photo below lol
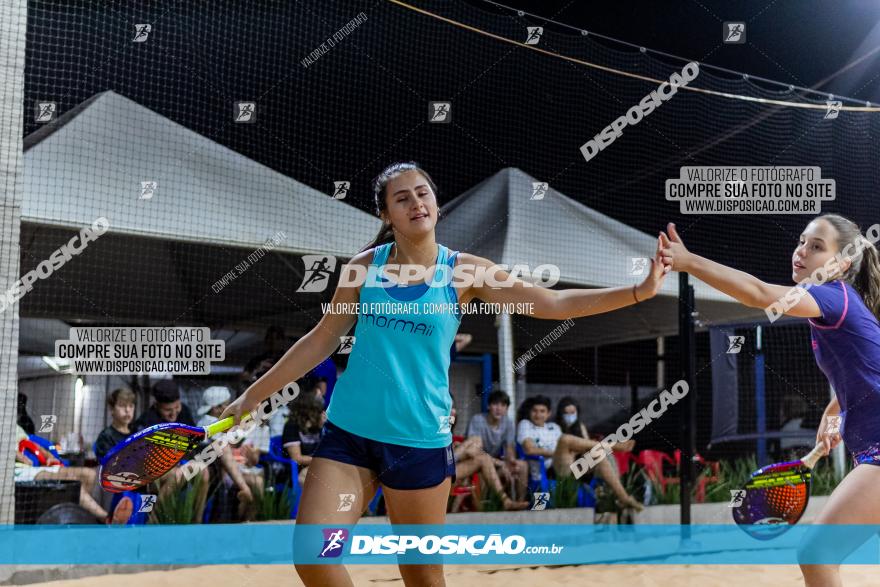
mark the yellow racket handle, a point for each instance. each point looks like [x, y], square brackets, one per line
[223, 425]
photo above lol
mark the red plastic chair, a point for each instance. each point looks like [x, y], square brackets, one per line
[623, 460]
[652, 462]
[30, 449]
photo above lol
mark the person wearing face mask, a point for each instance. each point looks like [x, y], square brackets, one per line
[568, 414]
[567, 417]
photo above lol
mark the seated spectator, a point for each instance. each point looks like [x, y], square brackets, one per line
[121, 403]
[167, 407]
[536, 435]
[498, 435]
[303, 431]
[546, 439]
[214, 401]
[312, 385]
[325, 373]
[567, 419]
[470, 458]
[25, 470]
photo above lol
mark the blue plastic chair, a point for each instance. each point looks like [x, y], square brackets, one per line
[585, 496]
[277, 454]
[541, 483]
[137, 517]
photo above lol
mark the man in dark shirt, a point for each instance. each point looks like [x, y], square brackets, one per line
[166, 408]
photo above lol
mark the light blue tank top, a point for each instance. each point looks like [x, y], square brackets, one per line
[396, 386]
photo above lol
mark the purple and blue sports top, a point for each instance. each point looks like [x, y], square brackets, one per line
[846, 343]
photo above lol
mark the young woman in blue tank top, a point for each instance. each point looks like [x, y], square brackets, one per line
[388, 420]
[842, 303]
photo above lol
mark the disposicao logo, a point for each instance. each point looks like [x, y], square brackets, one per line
[334, 542]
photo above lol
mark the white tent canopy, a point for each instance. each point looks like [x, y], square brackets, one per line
[91, 163]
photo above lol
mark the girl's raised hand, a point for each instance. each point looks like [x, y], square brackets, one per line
[673, 253]
[654, 280]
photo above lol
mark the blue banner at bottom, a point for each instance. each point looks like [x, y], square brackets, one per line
[547, 544]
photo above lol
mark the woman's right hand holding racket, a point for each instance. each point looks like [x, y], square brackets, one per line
[238, 408]
[829, 432]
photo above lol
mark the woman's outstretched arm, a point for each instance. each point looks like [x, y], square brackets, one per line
[746, 288]
[558, 304]
[306, 353]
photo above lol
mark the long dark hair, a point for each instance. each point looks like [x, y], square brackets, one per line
[560, 411]
[386, 233]
[864, 272]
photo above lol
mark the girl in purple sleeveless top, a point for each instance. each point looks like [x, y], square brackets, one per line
[837, 272]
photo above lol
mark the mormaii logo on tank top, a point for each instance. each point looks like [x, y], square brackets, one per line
[398, 325]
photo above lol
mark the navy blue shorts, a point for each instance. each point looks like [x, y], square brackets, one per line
[397, 466]
[869, 456]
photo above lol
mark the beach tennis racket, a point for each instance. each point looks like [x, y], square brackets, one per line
[147, 455]
[776, 496]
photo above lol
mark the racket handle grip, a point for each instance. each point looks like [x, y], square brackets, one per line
[814, 455]
[223, 425]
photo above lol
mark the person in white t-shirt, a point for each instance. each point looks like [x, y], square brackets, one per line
[541, 437]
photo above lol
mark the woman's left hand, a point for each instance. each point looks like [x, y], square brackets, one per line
[654, 280]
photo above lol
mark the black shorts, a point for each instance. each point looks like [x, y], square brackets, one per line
[396, 466]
